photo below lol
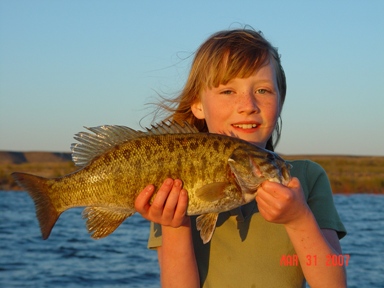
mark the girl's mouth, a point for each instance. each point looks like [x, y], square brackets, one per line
[245, 126]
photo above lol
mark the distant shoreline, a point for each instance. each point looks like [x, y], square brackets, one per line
[17, 157]
[348, 174]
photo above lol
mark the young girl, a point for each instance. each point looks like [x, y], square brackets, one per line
[237, 86]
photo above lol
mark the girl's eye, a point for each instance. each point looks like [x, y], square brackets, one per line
[261, 91]
[226, 92]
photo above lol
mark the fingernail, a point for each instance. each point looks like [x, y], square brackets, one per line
[177, 183]
[168, 181]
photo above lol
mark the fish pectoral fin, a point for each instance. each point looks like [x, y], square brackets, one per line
[206, 224]
[212, 191]
[102, 221]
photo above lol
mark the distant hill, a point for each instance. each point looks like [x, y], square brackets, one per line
[46, 164]
[10, 157]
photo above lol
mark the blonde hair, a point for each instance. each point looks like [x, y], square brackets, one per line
[223, 56]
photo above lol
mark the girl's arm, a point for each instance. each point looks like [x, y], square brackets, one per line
[176, 255]
[177, 258]
[287, 206]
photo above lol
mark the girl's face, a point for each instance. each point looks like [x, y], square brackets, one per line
[244, 107]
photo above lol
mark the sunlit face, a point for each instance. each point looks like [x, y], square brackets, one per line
[245, 107]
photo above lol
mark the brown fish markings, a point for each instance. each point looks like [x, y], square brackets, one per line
[219, 172]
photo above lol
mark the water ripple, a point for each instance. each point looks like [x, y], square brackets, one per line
[363, 216]
[70, 258]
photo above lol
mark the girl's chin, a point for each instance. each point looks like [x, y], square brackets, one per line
[253, 141]
[249, 137]
[258, 144]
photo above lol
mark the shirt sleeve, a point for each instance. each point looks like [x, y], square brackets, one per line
[318, 192]
[155, 236]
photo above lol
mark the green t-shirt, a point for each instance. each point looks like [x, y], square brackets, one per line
[248, 251]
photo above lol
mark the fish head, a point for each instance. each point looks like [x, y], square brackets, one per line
[251, 166]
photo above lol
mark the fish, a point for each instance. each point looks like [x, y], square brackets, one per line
[220, 172]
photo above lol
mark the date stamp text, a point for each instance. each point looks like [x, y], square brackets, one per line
[312, 260]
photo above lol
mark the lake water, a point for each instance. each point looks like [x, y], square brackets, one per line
[70, 258]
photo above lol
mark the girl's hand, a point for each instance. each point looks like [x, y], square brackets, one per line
[169, 206]
[282, 204]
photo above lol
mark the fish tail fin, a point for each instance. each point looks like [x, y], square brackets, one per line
[38, 189]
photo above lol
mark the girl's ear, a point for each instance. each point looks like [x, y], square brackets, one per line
[197, 110]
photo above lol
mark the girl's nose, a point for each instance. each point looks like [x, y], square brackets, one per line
[247, 103]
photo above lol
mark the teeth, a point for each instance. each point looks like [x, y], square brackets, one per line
[245, 126]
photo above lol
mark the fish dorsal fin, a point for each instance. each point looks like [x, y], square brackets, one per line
[102, 221]
[105, 137]
[171, 127]
[206, 224]
[212, 191]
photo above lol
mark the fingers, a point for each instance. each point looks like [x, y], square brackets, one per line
[268, 193]
[166, 198]
[294, 183]
[182, 204]
[281, 204]
[169, 205]
[142, 201]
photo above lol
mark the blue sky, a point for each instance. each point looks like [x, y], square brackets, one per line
[69, 64]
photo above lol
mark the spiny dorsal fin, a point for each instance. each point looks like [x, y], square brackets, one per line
[108, 136]
[171, 127]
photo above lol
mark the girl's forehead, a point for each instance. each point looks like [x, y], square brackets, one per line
[265, 70]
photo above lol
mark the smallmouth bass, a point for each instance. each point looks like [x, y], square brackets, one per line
[219, 172]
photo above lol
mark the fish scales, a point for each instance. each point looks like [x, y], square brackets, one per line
[151, 163]
[219, 172]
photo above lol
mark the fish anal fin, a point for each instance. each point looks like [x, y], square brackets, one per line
[212, 191]
[102, 221]
[206, 224]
